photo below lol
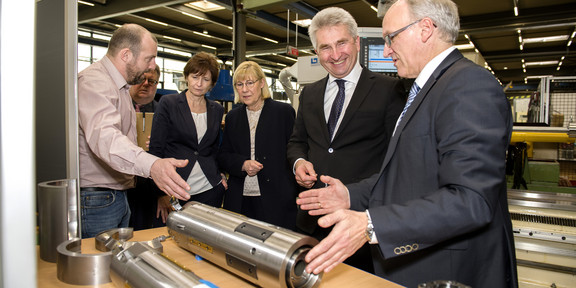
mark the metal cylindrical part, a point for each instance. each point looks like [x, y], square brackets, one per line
[264, 254]
[140, 266]
[58, 219]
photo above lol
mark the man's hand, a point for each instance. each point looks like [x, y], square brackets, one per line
[346, 238]
[164, 207]
[325, 200]
[252, 167]
[163, 172]
[305, 174]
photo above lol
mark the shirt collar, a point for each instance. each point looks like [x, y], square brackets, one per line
[353, 76]
[431, 66]
[114, 73]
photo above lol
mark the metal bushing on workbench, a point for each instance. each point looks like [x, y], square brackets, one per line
[82, 269]
[109, 239]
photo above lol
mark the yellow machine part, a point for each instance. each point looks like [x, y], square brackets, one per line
[531, 137]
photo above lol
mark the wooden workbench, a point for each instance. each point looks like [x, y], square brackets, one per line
[342, 276]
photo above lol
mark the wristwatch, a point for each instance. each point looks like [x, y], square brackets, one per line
[369, 233]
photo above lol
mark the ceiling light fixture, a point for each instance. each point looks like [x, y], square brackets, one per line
[303, 22]
[464, 46]
[545, 39]
[193, 16]
[86, 3]
[209, 47]
[571, 38]
[172, 38]
[204, 6]
[154, 21]
[515, 7]
[542, 63]
[270, 40]
[520, 40]
[202, 34]
[537, 76]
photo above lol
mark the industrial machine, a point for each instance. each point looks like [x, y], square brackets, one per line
[545, 236]
[264, 254]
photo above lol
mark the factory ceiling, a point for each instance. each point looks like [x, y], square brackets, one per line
[538, 41]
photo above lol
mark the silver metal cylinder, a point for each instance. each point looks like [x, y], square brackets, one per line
[264, 254]
[140, 266]
[58, 218]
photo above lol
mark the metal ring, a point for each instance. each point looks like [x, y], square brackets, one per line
[82, 269]
[319, 205]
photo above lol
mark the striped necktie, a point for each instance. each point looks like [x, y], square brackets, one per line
[337, 105]
[413, 91]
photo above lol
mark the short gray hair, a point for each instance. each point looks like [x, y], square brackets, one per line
[329, 17]
[444, 13]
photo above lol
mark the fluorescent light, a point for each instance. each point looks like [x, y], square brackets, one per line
[546, 39]
[202, 34]
[542, 63]
[515, 11]
[209, 47]
[373, 8]
[154, 21]
[303, 22]
[172, 38]
[270, 40]
[464, 46]
[538, 76]
[86, 3]
[204, 6]
[193, 16]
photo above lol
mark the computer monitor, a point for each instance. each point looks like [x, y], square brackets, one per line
[372, 55]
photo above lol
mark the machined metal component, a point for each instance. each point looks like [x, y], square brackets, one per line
[140, 266]
[264, 254]
[82, 269]
[58, 216]
[108, 240]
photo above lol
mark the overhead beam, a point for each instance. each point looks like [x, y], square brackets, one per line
[261, 4]
[117, 8]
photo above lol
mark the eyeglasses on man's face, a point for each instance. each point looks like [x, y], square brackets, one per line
[388, 38]
[150, 81]
[249, 84]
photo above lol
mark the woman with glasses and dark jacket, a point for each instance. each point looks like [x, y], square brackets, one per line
[261, 184]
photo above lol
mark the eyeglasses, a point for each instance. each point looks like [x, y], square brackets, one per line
[388, 38]
[249, 84]
[150, 81]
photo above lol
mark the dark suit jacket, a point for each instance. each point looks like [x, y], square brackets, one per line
[360, 143]
[174, 135]
[276, 181]
[439, 206]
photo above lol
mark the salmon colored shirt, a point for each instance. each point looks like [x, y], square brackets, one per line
[108, 152]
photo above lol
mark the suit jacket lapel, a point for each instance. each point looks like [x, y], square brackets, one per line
[317, 93]
[452, 57]
[188, 121]
[364, 85]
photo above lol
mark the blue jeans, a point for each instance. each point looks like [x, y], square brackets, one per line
[103, 210]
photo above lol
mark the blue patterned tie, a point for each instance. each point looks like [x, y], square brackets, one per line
[336, 106]
[413, 91]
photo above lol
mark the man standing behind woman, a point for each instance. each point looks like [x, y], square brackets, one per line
[253, 152]
[188, 125]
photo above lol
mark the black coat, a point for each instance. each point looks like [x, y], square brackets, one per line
[276, 180]
[174, 135]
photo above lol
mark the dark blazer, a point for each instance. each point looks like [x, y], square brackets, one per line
[360, 143]
[439, 205]
[276, 181]
[174, 135]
